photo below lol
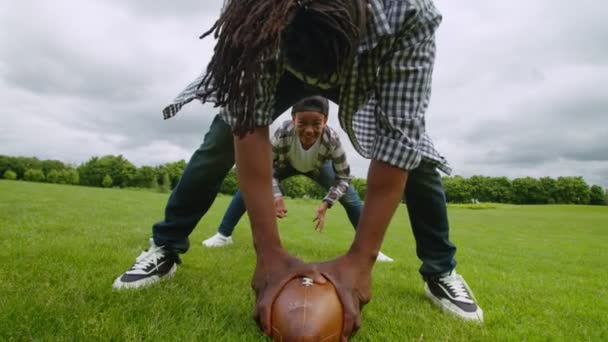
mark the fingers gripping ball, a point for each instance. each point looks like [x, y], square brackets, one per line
[305, 311]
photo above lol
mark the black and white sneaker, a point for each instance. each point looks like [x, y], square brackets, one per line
[150, 267]
[452, 294]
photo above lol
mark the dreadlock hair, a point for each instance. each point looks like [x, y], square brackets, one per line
[317, 37]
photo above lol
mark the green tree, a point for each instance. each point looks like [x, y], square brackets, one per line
[145, 177]
[528, 190]
[572, 190]
[230, 185]
[597, 196]
[165, 186]
[107, 181]
[457, 189]
[6, 164]
[360, 186]
[174, 170]
[10, 175]
[117, 167]
[479, 188]
[549, 186]
[33, 175]
[69, 176]
[53, 176]
[48, 165]
[19, 165]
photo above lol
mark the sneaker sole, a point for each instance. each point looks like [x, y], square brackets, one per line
[447, 306]
[384, 260]
[119, 285]
[215, 245]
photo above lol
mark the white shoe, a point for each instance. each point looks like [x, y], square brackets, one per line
[383, 258]
[218, 240]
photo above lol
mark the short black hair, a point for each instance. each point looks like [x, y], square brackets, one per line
[317, 104]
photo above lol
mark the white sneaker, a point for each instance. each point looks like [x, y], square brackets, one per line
[383, 258]
[218, 240]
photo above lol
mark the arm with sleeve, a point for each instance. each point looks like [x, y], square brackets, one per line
[342, 170]
[402, 92]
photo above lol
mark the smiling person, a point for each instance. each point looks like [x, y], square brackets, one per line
[304, 145]
[375, 59]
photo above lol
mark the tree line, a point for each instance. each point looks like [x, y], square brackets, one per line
[116, 171]
[106, 171]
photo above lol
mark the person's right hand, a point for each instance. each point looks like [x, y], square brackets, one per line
[279, 206]
[272, 271]
[352, 280]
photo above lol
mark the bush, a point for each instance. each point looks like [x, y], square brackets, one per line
[230, 184]
[69, 176]
[107, 181]
[10, 175]
[598, 195]
[53, 176]
[360, 185]
[165, 186]
[295, 187]
[33, 175]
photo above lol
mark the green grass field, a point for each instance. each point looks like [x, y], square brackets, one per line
[539, 272]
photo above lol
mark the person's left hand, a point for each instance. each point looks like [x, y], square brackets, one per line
[279, 206]
[319, 220]
[272, 271]
[352, 279]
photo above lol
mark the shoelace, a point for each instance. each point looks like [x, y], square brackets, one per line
[147, 258]
[457, 285]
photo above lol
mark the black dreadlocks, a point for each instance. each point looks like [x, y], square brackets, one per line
[316, 37]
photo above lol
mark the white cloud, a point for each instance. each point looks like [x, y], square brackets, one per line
[518, 86]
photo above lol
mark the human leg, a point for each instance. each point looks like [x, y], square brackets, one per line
[188, 202]
[231, 218]
[426, 204]
[196, 189]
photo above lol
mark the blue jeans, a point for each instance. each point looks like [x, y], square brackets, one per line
[325, 177]
[203, 176]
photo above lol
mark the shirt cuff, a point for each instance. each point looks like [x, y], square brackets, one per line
[396, 153]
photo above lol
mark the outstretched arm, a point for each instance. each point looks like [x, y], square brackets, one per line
[254, 170]
[274, 266]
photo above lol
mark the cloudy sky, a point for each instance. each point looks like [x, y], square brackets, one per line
[520, 86]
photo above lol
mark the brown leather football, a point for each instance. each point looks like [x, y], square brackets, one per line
[305, 311]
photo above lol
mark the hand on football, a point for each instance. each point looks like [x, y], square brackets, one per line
[272, 272]
[353, 283]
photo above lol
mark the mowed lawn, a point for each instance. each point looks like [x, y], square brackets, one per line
[539, 272]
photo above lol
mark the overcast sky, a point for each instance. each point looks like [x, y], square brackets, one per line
[520, 87]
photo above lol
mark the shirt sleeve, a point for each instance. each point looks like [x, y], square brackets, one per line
[402, 93]
[276, 150]
[264, 96]
[342, 170]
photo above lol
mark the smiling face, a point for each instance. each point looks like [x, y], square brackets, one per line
[309, 126]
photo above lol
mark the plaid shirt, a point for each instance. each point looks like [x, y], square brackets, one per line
[330, 149]
[384, 92]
